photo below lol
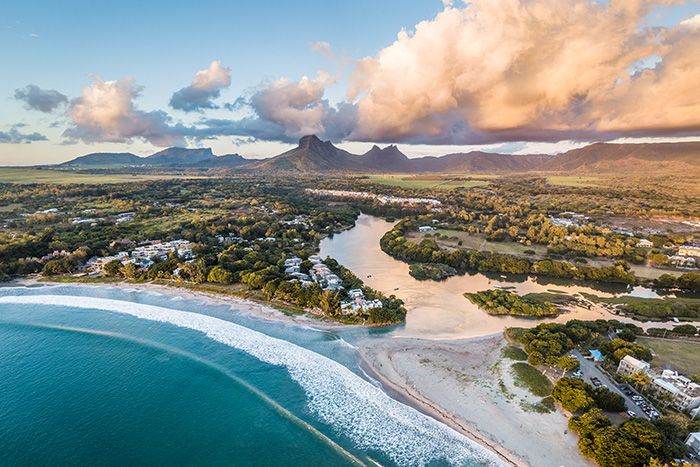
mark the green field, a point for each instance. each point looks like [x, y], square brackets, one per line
[681, 355]
[30, 175]
[440, 182]
[573, 180]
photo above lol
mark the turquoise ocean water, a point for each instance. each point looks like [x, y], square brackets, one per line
[104, 376]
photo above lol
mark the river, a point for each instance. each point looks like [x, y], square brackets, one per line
[438, 310]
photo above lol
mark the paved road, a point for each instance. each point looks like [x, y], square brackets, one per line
[589, 369]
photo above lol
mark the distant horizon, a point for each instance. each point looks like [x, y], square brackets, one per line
[465, 150]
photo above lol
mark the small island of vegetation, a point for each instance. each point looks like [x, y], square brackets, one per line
[503, 302]
[428, 271]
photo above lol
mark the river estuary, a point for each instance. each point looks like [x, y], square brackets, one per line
[438, 310]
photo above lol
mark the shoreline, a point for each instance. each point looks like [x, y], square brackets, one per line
[427, 407]
[268, 313]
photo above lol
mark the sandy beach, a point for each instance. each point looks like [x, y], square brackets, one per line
[468, 385]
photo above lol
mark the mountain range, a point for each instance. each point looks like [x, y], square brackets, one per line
[315, 156]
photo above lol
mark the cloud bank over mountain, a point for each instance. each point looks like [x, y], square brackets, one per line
[486, 71]
[531, 70]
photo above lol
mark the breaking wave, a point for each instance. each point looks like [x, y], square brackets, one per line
[340, 398]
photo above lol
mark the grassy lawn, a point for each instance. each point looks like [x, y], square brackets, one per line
[513, 352]
[573, 180]
[479, 243]
[681, 355]
[24, 175]
[442, 182]
[528, 377]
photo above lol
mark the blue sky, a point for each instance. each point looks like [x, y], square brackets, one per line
[63, 46]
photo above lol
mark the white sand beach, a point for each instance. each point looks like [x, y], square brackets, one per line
[467, 384]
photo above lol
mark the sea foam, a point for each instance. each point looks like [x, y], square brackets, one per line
[340, 398]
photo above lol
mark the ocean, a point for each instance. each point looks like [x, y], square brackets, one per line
[108, 376]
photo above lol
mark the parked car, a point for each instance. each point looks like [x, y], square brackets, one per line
[631, 414]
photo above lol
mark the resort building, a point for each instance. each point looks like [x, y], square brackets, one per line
[322, 275]
[358, 303]
[630, 365]
[682, 393]
[693, 443]
[644, 243]
[689, 250]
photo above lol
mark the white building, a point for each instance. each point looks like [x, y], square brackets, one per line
[644, 243]
[693, 443]
[630, 365]
[689, 250]
[683, 394]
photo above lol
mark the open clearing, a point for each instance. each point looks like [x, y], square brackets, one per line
[31, 175]
[440, 182]
[681, 355]
[479, 243]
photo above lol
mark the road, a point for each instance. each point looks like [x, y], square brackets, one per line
[590, 369]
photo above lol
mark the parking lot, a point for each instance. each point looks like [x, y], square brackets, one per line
[593, 375]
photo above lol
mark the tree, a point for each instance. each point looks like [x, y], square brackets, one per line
[572, 395]
[130, 271]
[608, 400]
[219, 275]
[639, 380]
[568, 363]
[113, 268]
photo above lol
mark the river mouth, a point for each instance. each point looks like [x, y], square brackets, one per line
[438, 310]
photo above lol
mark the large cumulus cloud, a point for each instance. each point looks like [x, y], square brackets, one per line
[205, 87]
[106, 112]
[531, 70]
[43, 100]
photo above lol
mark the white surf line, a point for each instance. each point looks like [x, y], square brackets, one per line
[354, 407]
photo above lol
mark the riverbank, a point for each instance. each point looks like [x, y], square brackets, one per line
[468, 385]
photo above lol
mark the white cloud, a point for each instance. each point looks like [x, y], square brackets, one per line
[533, 70]
[205, 87]
[105, 111]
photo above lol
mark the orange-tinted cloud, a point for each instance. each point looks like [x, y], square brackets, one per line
[531, 70]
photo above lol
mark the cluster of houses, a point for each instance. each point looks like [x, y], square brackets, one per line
[142, 256]
[682, 393]
[569, 219]
[358, 303]
[384, 199]
[321, 274]
[687, 256]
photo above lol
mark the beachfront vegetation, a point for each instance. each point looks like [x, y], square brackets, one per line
[532, 379]
[504, 302]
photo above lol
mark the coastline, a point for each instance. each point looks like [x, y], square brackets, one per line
[467, 384]
[427, 407]
[265, 312]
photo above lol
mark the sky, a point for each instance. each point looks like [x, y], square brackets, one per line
[432, 76]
